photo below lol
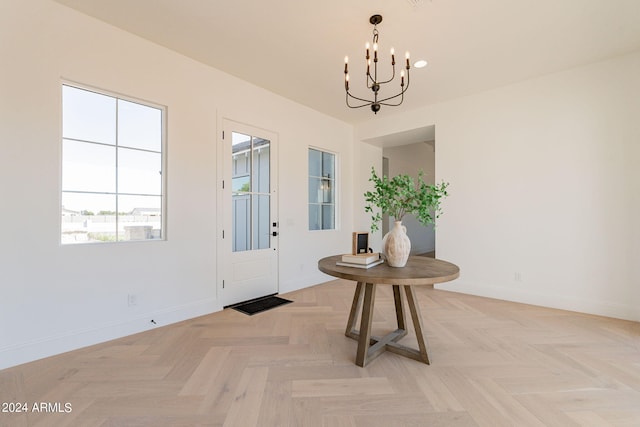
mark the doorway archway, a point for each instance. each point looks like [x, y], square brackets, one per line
[409, 152]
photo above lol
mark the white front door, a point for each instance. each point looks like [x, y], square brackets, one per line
[249, 245]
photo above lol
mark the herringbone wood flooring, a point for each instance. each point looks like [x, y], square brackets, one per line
[493, 363]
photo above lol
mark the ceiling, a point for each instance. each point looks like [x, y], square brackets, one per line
[296, 48]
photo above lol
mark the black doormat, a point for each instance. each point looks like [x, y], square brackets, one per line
[259, 305]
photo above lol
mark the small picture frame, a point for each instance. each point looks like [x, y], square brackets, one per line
[360, 242]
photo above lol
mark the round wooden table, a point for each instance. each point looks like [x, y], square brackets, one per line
[419, 271]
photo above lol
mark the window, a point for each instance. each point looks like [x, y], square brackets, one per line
[322, 190]
[112, 163]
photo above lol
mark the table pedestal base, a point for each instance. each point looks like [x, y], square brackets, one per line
[370, 347]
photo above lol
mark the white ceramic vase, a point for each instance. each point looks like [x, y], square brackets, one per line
[396, 245]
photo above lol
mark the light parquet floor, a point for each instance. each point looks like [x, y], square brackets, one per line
[493, 363]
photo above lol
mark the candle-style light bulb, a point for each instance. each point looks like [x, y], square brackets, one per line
[346, 64]
[393, 57]
[367, 47]
[346, 82]
[407, 56]
[401, 78]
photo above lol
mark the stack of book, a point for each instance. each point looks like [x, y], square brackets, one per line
[367, 260]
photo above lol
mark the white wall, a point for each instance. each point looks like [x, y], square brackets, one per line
[544, 186]
[56, 298]
[366, 156]
[411, 159]
[634, 250]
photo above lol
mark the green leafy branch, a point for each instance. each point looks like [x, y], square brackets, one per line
[401, 195]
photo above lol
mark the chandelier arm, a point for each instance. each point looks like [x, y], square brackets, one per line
[381, 102]
[366, 102]
[384, 101]
[370, 79]
[393, 76]
[359, 99]
[358, 106]
[394, 105]
[373, 78]
[396, 95]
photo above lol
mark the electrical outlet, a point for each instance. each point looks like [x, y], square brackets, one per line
[517, 276]
[132, 299]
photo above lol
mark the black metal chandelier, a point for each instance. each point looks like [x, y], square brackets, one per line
[372, 79]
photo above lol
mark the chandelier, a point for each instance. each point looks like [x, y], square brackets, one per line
[372, 79]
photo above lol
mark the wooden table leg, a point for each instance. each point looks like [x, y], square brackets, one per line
[401, 318]
[417, 323]
[351, 330]
[370, 347]
[365, 324]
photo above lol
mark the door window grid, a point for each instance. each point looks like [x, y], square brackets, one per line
[322, 190]
[112, 163]
[251, 192]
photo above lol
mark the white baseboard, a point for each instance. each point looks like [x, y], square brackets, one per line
[49, 346]
[304, 281]
[562, 302]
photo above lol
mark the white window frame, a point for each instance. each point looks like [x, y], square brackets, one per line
[163, 163]
[336, 192]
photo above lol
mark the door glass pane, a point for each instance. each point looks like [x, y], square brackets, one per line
[241, 217]
[240, 143]
[240, 187]
[240, 184]
[250, 185]
[261, 230]
[241, 162]
[260, 171]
